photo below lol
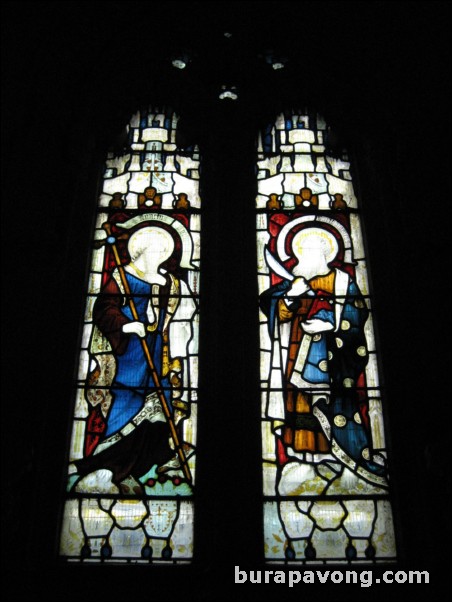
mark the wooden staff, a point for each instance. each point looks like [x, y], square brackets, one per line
[154, 374]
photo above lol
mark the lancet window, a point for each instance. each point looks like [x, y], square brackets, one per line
[324, 453]
[131, 464]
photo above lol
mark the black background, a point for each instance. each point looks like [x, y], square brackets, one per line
[73, 73]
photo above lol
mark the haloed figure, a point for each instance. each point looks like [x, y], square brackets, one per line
[136, 432]
[316, 321]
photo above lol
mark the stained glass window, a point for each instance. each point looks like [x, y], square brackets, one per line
[325, 464]
[131, 464]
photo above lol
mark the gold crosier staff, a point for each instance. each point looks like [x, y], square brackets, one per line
[155, 377]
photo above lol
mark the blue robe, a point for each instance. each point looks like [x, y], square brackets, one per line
[148, 443]
[133, 380]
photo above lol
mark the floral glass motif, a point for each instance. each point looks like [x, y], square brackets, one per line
[131, 465]
[325, 474]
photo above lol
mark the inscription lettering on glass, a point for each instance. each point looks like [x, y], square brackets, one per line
[131, 465]
[326, 484]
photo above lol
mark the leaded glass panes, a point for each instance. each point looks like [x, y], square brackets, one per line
[131, 464]
[325, 473]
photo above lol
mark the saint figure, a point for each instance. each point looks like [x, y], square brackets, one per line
[145, 315]
[316, 319]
